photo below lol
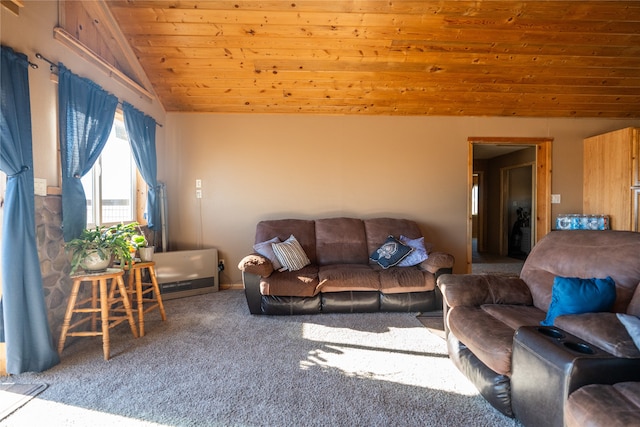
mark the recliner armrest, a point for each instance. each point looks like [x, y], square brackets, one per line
[437, 261]
[478, 289]
[256, 264]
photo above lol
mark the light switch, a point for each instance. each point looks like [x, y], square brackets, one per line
[40, 186]
[198, 183]
[555, 198]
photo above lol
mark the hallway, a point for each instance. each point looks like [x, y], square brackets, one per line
[485, 263]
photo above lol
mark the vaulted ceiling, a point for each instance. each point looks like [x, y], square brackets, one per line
[386, 57]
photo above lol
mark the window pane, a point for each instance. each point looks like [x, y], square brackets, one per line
[87, 184]
[110, 186]
[116, 179]
[474, 195]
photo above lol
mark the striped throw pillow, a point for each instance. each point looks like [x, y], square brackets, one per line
[290, 254]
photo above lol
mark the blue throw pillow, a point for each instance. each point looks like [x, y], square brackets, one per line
[572, 295]
[390, 253]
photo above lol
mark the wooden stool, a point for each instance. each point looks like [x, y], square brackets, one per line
[145, 292]
[90, 305]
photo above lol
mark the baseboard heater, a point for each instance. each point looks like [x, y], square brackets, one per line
[186, 273]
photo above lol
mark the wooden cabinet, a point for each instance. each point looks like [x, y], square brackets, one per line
[612, 177]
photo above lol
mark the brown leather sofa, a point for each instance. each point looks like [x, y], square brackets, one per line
[604, 405]
[524, 369]
[341, 277]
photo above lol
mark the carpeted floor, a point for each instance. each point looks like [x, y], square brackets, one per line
[213, 364]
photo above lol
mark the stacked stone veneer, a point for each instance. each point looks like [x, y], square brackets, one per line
[54, 262]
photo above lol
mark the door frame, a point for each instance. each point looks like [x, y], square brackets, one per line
[542, 221]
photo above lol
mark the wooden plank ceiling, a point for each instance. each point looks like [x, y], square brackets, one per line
[391, 57]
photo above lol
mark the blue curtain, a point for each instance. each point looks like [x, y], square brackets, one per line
[86, 117]
[23, 322]
[142, 136]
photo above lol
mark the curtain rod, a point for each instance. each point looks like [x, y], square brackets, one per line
[52, 65]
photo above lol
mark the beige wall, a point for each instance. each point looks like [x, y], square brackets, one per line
[256, 167]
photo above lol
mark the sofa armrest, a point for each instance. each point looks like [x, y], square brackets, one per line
[437, 261]
[478, 289]
[256, 264]
[252, 292]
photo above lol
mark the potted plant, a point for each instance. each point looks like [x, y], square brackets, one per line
[94, 249]
[139, 241]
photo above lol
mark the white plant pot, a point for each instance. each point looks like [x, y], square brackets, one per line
[146, 254]
[96, 261]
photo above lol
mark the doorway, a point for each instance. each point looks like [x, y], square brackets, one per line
[509, 199]
[517, 209]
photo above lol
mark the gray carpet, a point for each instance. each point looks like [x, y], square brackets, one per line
[213, 364]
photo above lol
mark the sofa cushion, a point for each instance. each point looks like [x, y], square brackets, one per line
[290, 254]
[301, 283]
[347, 277]
[341, 241]
[604, 405]
[584, 253]
[489, 339]
[573, 295]
[515, 316]
[390, 253]
[417, 255]
[603, 330]
[406, 279]
[304, 230]
[266, 250]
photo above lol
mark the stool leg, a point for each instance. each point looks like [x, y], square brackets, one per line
[104, 313]
[68, 314]
[94, 305]
[138, 281]
[127, 306]
[156, 289]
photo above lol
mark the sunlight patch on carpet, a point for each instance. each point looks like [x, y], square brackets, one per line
[13, 396]
[399, 355]
[70, 415]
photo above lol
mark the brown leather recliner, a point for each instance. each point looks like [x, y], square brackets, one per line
[604, 405]
[483, 313]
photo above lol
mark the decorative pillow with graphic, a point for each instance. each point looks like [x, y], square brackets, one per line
[266, 250]
[390, 253]
[417, 255]
[291, 254]
[573, 295]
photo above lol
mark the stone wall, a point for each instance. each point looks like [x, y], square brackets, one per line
[54, 262]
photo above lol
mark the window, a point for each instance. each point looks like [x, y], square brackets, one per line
[474, 195]
[110, 186]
